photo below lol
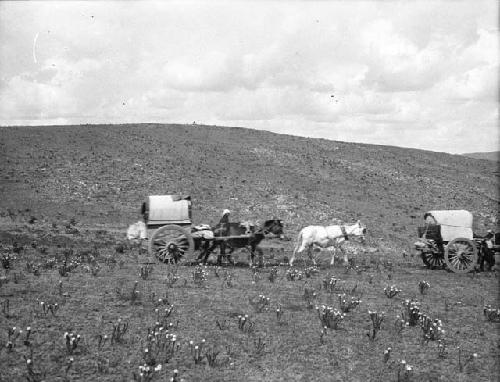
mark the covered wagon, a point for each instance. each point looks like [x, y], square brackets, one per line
[168, 222]
[172, 236]
[447, 239]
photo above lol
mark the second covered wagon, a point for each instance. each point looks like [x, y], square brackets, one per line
[446, 238]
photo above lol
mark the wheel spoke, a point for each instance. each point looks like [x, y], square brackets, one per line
[432, 260]
[460, 255]
[170, 243]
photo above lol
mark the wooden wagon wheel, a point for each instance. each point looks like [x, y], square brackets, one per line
[170, 243]
[461, 255]
[433, 259]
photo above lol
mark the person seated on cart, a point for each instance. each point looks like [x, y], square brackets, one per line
[223, 225]
[429, 219]
[222, 229]
[433, 233]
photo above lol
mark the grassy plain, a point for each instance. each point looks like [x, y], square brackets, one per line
[79, 187]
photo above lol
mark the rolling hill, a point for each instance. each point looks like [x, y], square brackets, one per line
[100, 174]
[492, 155]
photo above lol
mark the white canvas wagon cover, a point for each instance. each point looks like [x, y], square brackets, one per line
[454, 223]
[167, 209]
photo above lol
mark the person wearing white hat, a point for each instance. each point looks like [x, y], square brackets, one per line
[224, 222]
[222, 227]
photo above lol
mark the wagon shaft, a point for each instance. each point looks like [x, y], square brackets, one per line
[222, 238]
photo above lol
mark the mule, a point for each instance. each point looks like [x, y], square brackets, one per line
[324, 237]
[231, 236]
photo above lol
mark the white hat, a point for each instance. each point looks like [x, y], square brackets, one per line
[226, 212]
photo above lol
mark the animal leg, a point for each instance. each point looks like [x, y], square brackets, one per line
[209, 247]
[254, 248]
[332, 261]
[295, 250]
[222, 253]
[203, 249]
[260, 255]
[310, 254]
[346, 260]
[251, 258]
[298, 250]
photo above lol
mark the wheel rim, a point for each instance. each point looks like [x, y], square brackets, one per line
[433, 260]
[171, 243]
[461, 255]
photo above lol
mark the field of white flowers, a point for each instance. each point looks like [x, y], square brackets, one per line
[89, 308]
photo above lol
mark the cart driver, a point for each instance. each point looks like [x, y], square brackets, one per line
[223, 225]
[225, 216]
[429, 219]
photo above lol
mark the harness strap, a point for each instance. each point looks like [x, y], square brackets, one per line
[344, 232]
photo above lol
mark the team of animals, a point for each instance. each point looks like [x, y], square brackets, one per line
[167, 221]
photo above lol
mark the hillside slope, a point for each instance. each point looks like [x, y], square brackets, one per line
[492, 155]
[100, 175]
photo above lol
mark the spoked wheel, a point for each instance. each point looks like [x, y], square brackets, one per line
[461, 255]
[170, 243]
[433, 260]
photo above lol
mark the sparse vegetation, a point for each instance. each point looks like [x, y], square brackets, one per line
[73, 306]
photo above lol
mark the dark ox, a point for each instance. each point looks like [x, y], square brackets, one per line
[231, 236]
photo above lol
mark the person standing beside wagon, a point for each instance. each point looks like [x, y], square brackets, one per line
[222, 229]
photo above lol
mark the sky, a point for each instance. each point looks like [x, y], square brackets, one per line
[421, 74]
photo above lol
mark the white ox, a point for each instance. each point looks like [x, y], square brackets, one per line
[323, 237]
